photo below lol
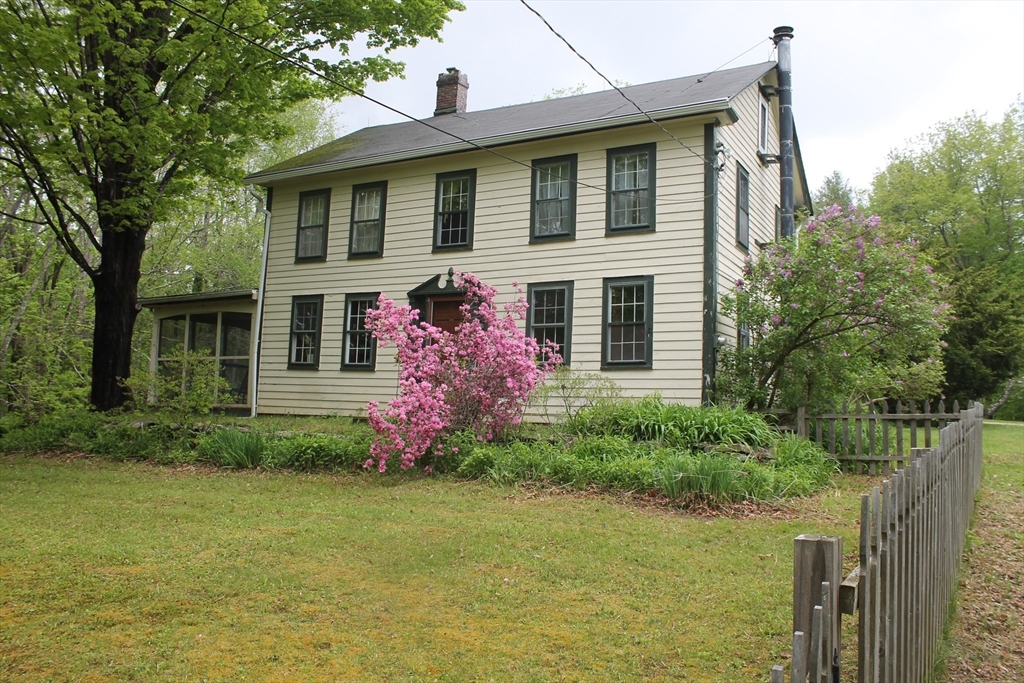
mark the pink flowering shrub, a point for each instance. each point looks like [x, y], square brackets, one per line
[842, 312]
[479, 378]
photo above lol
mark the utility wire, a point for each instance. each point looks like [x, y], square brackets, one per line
[305, 67]
[624, 95]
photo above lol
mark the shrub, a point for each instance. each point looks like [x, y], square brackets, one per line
[54, 431]
[309, 452]
[479, 378]
[575, 391]
[186, 385]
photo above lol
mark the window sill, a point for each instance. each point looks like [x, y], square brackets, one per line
[452, 247]
[310, 259]
[627, 366]
[303, 366]
[634, 230]
[561, 237]
[366, 255]
[358, 368]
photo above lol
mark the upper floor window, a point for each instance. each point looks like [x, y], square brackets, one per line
[360, 348]
[549, 318]
[304, 345]
[366, 233]
[763, 125]
[743, 337]
[553, 209]
[455, 197]
[742, 207]
[631, 189]
[628, 322]
[311, 240]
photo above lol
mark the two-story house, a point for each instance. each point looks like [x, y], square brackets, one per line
[624, 231]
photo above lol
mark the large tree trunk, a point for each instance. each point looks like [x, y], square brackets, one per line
[116, 289]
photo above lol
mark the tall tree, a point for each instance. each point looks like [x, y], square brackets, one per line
[959, 192]
[112, 111]
[836, 189]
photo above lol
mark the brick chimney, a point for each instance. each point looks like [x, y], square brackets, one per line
[451, 92]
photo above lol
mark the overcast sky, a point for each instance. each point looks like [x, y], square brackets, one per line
[867, 76]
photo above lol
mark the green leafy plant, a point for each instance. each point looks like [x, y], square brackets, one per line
[234, 448]
[309, 452]
[184, 386]
[574, 391]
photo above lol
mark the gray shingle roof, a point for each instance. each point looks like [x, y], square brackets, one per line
[398, 141]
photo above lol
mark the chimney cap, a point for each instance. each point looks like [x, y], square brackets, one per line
[782, 32]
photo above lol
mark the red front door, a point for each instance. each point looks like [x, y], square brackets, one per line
[445, 312]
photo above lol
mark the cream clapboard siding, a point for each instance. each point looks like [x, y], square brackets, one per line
[741, 139]
[502, 253]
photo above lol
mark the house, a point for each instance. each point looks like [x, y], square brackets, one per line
[623, 231]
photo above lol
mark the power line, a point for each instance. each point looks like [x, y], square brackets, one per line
[624, 95]
[308, 69]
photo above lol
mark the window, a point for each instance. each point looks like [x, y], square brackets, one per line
[628, 328]
[763, 123]
[743, 337]
[360, 348]
[304, 348]
[311, 241]
[366, 233]
[453, 225]
[553, 209]
[742, 207]
[224, 336]
[549, 317]
[631, 189]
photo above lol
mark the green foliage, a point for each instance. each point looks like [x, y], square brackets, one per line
[959, 191]
[310, 452]
[842, 312]
[53, 431]
[679, 426]
[233, 448]
[574, 391]
[185, 386]
[113, 114]
[836, 190]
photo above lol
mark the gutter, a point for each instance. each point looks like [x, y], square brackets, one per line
[254, 389]
[721, 105]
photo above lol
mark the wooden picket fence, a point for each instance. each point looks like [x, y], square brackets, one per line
[913, 528]
[874, 438]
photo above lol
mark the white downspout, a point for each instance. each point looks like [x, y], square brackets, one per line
[258, 338]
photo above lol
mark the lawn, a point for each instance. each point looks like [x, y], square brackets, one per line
[128, 571]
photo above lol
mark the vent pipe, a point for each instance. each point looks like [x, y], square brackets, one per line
[784, 34]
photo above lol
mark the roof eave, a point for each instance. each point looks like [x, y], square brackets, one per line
[722, 105]
[240, 295]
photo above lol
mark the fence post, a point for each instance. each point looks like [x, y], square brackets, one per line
[801, 421]
[816, 559]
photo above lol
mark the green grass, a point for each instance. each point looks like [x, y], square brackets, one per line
[126, 571]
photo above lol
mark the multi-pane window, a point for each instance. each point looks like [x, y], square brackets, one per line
[743, 337]
[763, 122]
[223, 336]
[742, 207]
[311, 240]
[366, 234]
[631, 188]
[359, 350]
[549, 318]
[628, 315]
[453, 228]
[553, 211]
[304, 346]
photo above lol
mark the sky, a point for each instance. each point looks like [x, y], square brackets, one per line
[868, 77]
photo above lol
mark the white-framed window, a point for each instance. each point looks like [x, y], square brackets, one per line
[304, 343]
[311, 234]
[763, 125]
[553, 210]
[366, 232]
[453, 226]
[742, 207]
[631, 176]
[628, 322]
[549, 318]
[360, 348]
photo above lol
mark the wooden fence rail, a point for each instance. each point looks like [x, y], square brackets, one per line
[875, 438]
[912, 533]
